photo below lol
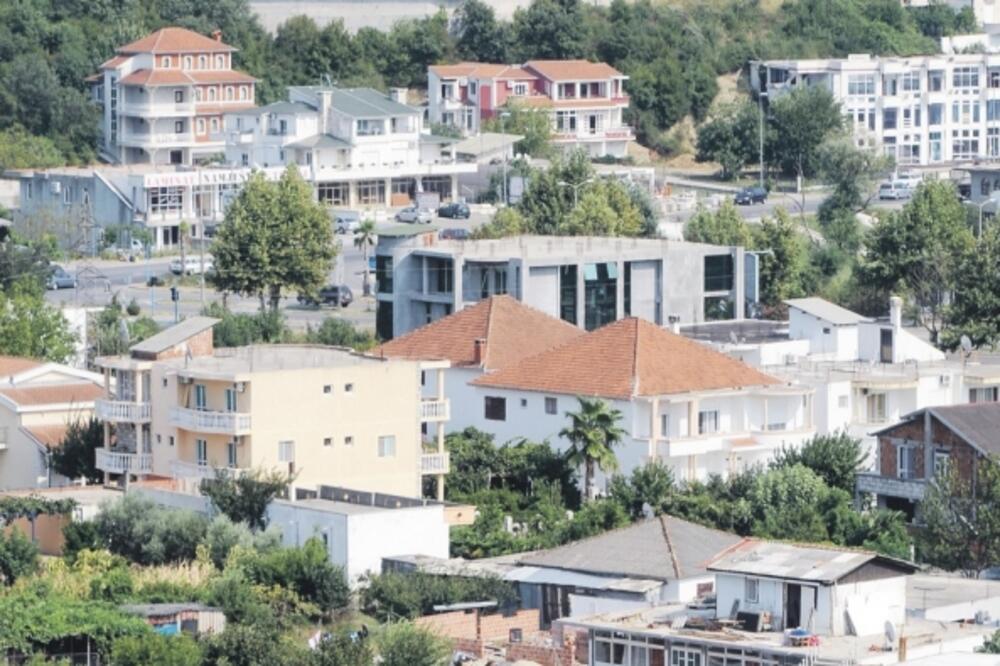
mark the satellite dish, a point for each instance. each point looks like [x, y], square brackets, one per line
[647, 511]
[890, 633]
[966, 344]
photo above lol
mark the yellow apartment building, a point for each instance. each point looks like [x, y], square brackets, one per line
[181, 409]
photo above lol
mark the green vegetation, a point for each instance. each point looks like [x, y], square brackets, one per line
[31, 327]
[112, 332]
[244, 498]
[74, 458]
[593, 433]
[393, 596]
[268, 327]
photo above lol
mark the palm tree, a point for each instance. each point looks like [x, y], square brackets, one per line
[593, 431]
[364, 237]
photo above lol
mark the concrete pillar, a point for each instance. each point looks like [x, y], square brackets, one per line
[693, 417]
[654, 431]
[763, 426]
[454, 185]
[352, 193]
[439, 487]
[387, 201]
[739, 291]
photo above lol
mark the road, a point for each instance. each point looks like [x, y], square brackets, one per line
[791, 202]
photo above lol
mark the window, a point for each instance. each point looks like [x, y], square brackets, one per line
[179, 96]
[910, 82]
[230, 400]
[370, 127]
[220, 62]
[566, 121]
[875, 407]
[201, 125]
[200, 397]
[348, 388]
[495, 409]
[286, 452]
[680, 656]
[201, 452]
[964, 144]
[906, 462]
[327, 389]
[934, 146]
[170, 440]
[229, 93]
[328, 441]
[719, 273]
[231, 454]
[965, 77]
[664, 425]
[211, 94]
[383, 274]
[447, 91]
[567, 293]
[178, 127]
[987, 394]
[551, 406]
[215, 124]
[348, 440]
[67, 194]
[520, 89]
[165, 61]
[751, 590]
[387, 446]
[935, 80]
[27, 190]
[243, 92]
[473, 86]
[524, 402]
[567, 90]
[440, 275]
[708, 422]
[202, 62]
[889, 119]
[861, 84]
[600, 294]
[941, 462]
[333, 194]
[719, 308]
[371, 192]
[935, 114]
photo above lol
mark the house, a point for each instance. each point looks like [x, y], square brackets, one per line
[925, 442]
[171, 619]
[359, 147]
[585, 101]
[692, 408]
[923, 110]
[182, 409]
[162, 97]
[38, 401]
[586, 281]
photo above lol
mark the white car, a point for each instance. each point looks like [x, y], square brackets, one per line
[895, 190]
[415, 215]
[346, 221]
[192, 265]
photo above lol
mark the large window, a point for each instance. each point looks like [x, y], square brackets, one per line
[718, 308]
[383, 320]
[440, 275]
[600, 292]
[934, 146]
[334, 194]
[371, 127]
[201, 451]
[685, 656]
[567, 90]
[935, 114]
[910, 82]
[964, 144]
[965, 77]
[708, 422]
[387, 446]
[567, 294]
[861, 84]
[889, 119]
[566, 121]
[495, 409]
[875, 407]
[906, 462]
[165, 200]
[719, 272]
[935, 80]
[383, 274]
[371, 192]
[751, 591]
[993, 109]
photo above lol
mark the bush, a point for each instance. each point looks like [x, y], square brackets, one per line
[132, 309]
[341, 333]
[144, 533]
[18, 556]
[306, 571]
[223, 535]
[391, 596]
[80, 535]
[253, 645]
[155, 650]
[114, 586]
[406, 644]
[238, 330]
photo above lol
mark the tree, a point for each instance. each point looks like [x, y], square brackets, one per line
[74, 458]
[364, 238]
[918, 251]
[143, 533]
[340, 648]
[785, 503]
[406, 644]
[531, 123]
[802, 120]
[111, 332]
[731, 138]
[975, 307]
[253, 645]
[22, 150]
[551, 29]
[244, 498]
[274, 237]
[306, 571]
[992, 644]
[341, 333]
[391, 596]
[836, 458]
[650, 485]
[30, 327]
[593, 433]
[479, 36]
[723, 227]
[18, 556]
[241, 329]
[961, 523]
[783, 259]
[155, 649]
[852, 171]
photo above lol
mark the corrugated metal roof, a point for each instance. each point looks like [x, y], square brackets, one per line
[825, 310]
[976, 423]
[810, 563]
[173, 336]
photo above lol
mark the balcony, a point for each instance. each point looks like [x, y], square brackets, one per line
[873, 482]
[602, 134]
[181, 469]
[143, 139]
[149, 109]
[122, 411]
[122, 462]
[434, 463]
[221, 423]
[435, 410]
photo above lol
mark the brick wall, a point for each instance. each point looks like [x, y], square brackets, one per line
[962, 456]
[469, 631]
[546, 655]
[497, 626]
[456, 624]
[199, 345]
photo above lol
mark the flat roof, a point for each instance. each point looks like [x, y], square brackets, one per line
[775, 559]
[926, 591]
[486, 142]
[229, 361]
[745, 331]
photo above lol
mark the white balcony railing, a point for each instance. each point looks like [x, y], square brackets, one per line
[434, 463]
[157, 108]
[224, 423]
[121, 462]
[122, 411]
[181, 469]
[155, 139]
[434, 410]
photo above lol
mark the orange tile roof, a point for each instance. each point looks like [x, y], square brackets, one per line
[13, 365]
[484, 69]
[94, 78]
[512, 330]
[49, 436]
[54, 394]
[628, 358]
[174, 40]
[173, 77]
[572, 70]
[114, 62]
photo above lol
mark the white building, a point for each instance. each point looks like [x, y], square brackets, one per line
[585, 100]
[923, 110]
[986, 11]
[359, 147]
[162, 97]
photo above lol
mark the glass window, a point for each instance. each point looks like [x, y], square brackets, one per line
[567, 90]
[708, 422]
[718, 308]
[934, 144]
[988, 394]
[685, 656]
[993, 109]
[178, 127]
[935, 80]
[231, 454]
[567, 293]
[910, 82]
[179, 96]
[230, 400]
[371, 192]
[383, 320]
[965, 77]
[201, 451]
[600, 286]
[664, 425]
[495, 409]
[387, 446]
[861, 84]
[889, 119]
[875, 406]
[367, 127]
[751, 591]
[719, 272]
[520, 89]
[906, 458]
[286, 452]
[941, 461]
[333, 194]
[383, 274]
[551, 405]
[349, 440]
[440, 275]
[200, 397]
[935, 114]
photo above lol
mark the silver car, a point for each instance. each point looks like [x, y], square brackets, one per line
[60, 279]
[415, 215]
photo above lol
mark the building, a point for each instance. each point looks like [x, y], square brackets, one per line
[585, 100]
[985, 11]
[38, 401]
[171, 619]
[586, 281]
[923, 444]
[182, 409]
[162, 97]
[922, 110]
[360, 147]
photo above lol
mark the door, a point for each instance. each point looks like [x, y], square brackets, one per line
[592, 124]
[176, 157]
[200, 398]
[793, 605]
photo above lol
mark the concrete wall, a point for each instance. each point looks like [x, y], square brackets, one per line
[870, 605]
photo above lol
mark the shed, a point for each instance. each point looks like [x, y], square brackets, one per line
[171, 619]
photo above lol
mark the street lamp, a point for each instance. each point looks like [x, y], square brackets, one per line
[576, 188]
[504, 115]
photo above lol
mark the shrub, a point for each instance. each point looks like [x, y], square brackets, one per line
[155, 650]
[223, 535]
[144, 533]
[80, 535]
[391, 596]
[307, 571]
[132, 308]
[18, 556]
[114, 586]
[405, 644]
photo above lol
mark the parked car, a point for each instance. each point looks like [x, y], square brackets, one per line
[455, 210]
[454, 234]
[897, 189]
[60, 279]
[415, 215]
[192, 265]
[346, 221]
[332, 294]
[750, 195]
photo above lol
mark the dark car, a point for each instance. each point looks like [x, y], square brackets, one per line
[750, 195]
[454, 234]
[60, 279]
[454, 210]
[332, 294]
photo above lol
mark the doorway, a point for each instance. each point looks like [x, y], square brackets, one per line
[176, 156]
[793, 605]
[885, 345]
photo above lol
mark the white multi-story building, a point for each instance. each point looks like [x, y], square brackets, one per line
[922, 110]
[585, 100]
[162, 97]
[360, 147]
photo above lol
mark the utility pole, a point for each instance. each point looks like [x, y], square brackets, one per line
[503, 130]
[760, 107]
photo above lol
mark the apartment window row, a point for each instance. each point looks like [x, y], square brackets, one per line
[213, 93]
[188, 62]
[201, 453]
[495, 408]
[166, 199]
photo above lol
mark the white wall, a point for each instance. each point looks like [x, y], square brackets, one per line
[870, 605]
[413, 531]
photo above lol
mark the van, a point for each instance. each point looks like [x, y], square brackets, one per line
[895, 190]
[192, 265]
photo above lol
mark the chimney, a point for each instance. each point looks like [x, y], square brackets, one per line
[398, 95]
[217, 35]
[896, 312]
[479, 353]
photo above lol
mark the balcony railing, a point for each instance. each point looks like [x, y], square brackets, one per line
[122, 462]
[181, 469]
[223, 423]
[434, 410]
[434, 463]
[873, 482]
[122, 411]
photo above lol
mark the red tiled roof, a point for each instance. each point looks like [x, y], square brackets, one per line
[13, 365]
[49, 436]
[94, 78]
[572, 70]
[483, 69]
[174, 40]
[512, 331]
[173, 77]
[114, 62]
[630, 357]
[56, 394]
